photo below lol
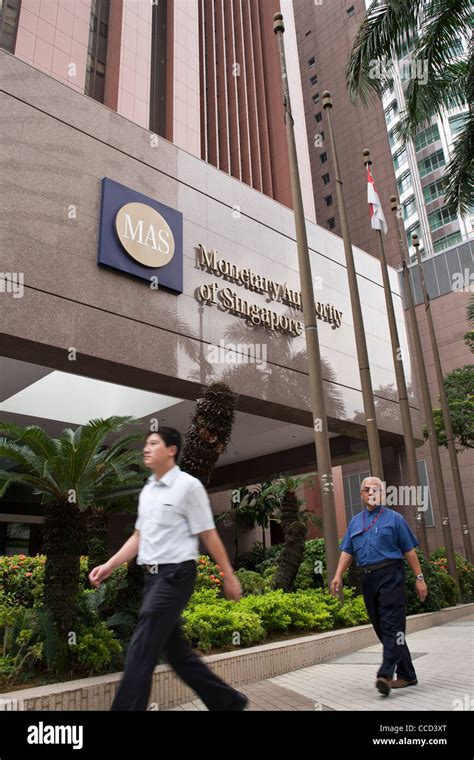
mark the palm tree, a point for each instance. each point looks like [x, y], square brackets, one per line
[209, 431]
[72, 473]
[433, 27]
[293, 523]
[259, 505]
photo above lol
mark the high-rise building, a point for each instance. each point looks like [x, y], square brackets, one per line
[325, 33]
[204, 74]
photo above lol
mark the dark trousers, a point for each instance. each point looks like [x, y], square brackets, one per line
[158, 631]
[385, 598]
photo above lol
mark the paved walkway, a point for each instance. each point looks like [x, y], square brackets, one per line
[443, 657]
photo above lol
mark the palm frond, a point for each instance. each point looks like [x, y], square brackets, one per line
[386, 27]
[459, 175]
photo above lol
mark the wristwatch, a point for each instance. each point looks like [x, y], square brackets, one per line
[420, 577]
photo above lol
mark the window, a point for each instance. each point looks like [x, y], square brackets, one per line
[352, 500]
[316, 97]
[424, 483]
[440, 217]
[414, 229]
[14, 538]
[457, 123]
[331, 223]
[328, 199]
[9, 11]
[326, 179]
[434, 190]
[323, 157]
[427, 137]
[308, 33]
[392, 138]
[432, 162]
[350, 11]
[404, 182]
[312, 62]
[318, 116]
[391, 110]
[447, 241]
[399, 158]
[409, 207]
[97, 50]
[314, 80]
[322, 136]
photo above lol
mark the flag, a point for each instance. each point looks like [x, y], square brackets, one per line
[377, 217]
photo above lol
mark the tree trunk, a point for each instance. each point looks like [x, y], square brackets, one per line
[63, 537]
[292, 553]
[97, 534]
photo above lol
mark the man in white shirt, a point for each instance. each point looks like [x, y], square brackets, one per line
[173, 514]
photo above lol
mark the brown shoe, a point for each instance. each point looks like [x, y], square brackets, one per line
[383, 685]
[400, 683]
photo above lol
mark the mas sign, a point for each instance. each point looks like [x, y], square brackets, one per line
[140, 237]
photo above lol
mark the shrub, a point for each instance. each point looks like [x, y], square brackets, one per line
[435, 599]
[96, 649]
[465, 573]
[22, 577]
[449, 590]
[251, 582]
[222, 624]
[209, 574]
[352, 612]
[255, 559]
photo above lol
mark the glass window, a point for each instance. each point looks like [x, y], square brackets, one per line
[399, 158]
[457, 123]
[15, 539]
[404, 182]
[409, 207]
[318, 116]
[97, 50]
[440, 217]
[314, 80]
[326, 179]
[323, 157]
[312, 62]
[331, 223]
[424, 483]
[353, 502]
[434, 190]
[328, 199]
[350, 11]
[432, 162]
[427, 137]
[9, 12]
[316, 97]
[447, 241]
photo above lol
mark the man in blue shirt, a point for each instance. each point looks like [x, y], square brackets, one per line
[380, 538]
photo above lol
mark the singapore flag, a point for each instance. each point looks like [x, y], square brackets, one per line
[377, 218]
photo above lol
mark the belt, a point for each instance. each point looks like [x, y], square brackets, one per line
[370, 568]
[158, 567]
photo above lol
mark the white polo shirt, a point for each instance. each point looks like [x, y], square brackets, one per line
[172, 511]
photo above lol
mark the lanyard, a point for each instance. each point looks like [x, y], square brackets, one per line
[373, 521]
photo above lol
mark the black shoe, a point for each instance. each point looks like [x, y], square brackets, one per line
[240, 704]
[384, 685]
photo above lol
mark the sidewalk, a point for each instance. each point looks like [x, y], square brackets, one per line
[443, 657]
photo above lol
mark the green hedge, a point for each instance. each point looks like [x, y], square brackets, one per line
[211, 622]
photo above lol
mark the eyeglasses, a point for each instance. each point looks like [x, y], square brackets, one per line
[372, 489]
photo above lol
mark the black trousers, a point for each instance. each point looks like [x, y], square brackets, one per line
[158, 631]
[385, 598]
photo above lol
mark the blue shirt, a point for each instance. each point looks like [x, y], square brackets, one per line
[390, 536]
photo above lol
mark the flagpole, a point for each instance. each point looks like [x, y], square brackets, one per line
[424, 385]
[315, 372]
[408, 437]
[453, 457]
[373, 440]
